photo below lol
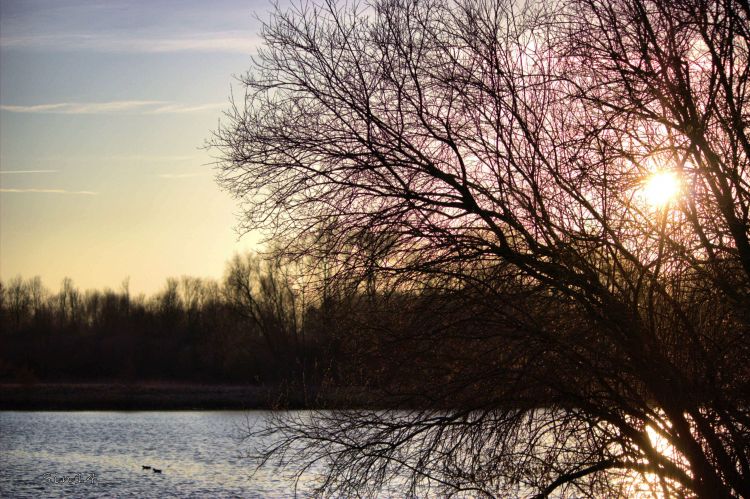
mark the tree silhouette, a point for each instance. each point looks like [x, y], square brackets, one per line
[505, 152]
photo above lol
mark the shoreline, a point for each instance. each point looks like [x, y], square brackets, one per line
[147, 396]
[185, 396]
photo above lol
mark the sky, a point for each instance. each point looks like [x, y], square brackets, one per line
[105, 107]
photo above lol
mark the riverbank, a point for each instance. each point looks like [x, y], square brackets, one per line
[146, 396]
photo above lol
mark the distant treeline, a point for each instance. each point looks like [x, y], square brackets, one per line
[246, 328]
[381, 342]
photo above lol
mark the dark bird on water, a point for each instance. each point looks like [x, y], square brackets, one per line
[146, 467]
[156, 471]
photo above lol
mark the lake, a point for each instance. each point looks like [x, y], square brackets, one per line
[101, 454]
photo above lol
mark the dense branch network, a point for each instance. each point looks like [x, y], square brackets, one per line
[487, 159]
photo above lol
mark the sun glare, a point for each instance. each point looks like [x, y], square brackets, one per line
[661, 188]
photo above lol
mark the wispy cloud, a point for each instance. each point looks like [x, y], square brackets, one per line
[12, 172]
[182, 175]
[113, 107]
[85, 107]
[118, 158]
[156, 160]
[50, 191]
[187, 108]
[232, 42]
[143, 157]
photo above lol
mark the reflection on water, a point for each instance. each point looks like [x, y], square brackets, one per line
[101, 454]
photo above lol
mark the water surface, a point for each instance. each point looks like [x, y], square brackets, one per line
[101, 454]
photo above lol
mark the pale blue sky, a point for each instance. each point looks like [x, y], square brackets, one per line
[104, 108]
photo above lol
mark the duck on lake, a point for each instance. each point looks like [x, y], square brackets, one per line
[145, 467]
[156, 471]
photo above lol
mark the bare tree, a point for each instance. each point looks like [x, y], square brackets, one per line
[18, 300]
[69, 303]
[262, 292]
[508, 154]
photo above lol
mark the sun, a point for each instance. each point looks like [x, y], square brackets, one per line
[661, 188]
